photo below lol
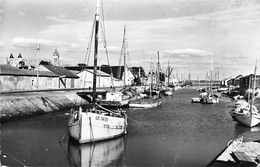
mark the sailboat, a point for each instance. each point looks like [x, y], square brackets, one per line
[248, 116]
[199, 95]
[113, 97]
[152, 100]
[210, 98]
[168, 91]
[96, 123]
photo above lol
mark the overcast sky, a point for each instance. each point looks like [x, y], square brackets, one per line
[187, 33]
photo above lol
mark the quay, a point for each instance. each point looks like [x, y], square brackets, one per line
[23, 103]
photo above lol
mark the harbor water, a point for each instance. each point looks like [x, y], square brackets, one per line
[177, 133]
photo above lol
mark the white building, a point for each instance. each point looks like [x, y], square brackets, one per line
[85, 79]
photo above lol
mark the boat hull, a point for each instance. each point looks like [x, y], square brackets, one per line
[210, 100]
[168, 93]
[144, 105]
[247, 118]
[92, 127]
[114, 103]
[196, 100]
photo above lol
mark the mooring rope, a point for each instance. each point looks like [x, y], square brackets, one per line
[92, 133]
[11, 157]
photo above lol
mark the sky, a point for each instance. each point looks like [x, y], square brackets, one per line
[190, 35]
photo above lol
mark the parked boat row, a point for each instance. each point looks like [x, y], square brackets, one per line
[206, 98]
[96, 122]
[246, 112]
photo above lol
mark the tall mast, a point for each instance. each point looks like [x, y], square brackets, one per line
[168, 74]
[124, 43]
[97, 17]
[38, 65]
[158, 69]
[253, 91]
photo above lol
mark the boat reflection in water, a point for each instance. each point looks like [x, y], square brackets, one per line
[98, 154]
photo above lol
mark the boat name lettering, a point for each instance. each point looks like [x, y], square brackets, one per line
[101, 118]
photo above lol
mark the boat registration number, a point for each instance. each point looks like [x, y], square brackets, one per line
[101, 118]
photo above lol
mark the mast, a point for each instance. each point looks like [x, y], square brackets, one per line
[95, 53]
[211, 74]
[124, 43]
[168, 74]
[38, 65]
[158, 69]
[253, 91]
[151, 84]
[123, 52]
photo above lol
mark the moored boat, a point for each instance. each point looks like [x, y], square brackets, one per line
[96, 123]
[115, 99]
[196, 100]
[243, 151]
[248, 116]
[145, 103]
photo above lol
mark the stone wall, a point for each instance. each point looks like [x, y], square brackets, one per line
[19, 107]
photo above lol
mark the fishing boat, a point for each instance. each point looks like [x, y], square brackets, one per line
[145, 103]
[211, 97]
[96, 123]
[115, 98]
[152, 100]
[168, 91]
[242, 151]
[199, 96]
[196, 100]
[249, 116]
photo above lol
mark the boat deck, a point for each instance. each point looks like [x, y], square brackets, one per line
[240, 159]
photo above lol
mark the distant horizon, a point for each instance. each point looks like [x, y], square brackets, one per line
[190, 35]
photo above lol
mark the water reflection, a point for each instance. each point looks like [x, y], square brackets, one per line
[98, 154]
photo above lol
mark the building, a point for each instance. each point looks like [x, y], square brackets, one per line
[56, 58]
[116, 71]
[224, 82]
[246, 82]
[86, 79]
[66, 77]
[19, 62]
[13, 78]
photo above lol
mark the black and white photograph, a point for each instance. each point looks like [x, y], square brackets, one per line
[131, 83]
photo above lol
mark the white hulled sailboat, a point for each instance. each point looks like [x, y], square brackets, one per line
[96, 123]
[248, 116]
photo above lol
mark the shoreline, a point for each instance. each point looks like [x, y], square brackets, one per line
[18, 106]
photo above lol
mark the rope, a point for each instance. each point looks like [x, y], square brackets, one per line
[107, 109]
[105, 43]
[92, 149]
[137, 121]
[91, 129]
[87, 56]
[11, 157]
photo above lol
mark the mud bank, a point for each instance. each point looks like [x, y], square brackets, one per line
[13, 108]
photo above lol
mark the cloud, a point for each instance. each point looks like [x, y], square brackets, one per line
[30, 42]
[1, 44]
[59, 19]
[21, 13]
[229, 36]
[188, 52]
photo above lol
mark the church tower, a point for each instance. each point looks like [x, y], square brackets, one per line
[10, 59]
[56, 58]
